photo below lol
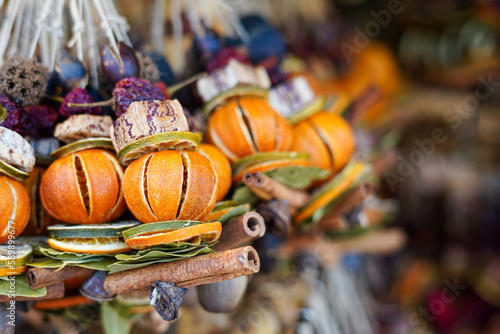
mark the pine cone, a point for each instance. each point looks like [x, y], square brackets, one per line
[24, 80]
[148, 69]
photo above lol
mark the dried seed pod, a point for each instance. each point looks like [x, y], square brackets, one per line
[222, 297]
[116, 67]
[166, 299]
[83, 126]
[15, 150]
[24, 80]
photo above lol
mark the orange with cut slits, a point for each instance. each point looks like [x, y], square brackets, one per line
[84, 188]
[247, 125]
[328, 139]
[14, 208]
[222, 168]
[170, 185]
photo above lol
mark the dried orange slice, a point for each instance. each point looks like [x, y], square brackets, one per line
[328, 193]
[14, 271]
[60, 303]
[207, 232]
[264, 162]
[89, 245]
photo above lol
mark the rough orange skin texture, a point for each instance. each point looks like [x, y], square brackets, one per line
[247, 125]
[154, 192]
[14, 208]
[222, 168]
[328, 139]
[62, 195]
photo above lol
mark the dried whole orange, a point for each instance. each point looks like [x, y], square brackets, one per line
[170, 185]
[222, 168]
[14, 208]
[39, 219]
[84, 188]
[328, 139]
[247, 125]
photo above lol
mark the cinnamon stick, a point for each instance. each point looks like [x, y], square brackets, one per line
[241, 230]
[53, 291]
[40, 277]
[278, 216]
[202, 269]
[266, 189]
[383, 162]
[356, 197]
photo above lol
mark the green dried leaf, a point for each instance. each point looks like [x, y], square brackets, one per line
[22, 287]
[113, 322]
[297, 177]
[152, 257]
[234, 213]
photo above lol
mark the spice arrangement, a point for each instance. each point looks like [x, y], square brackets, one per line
[211, 169]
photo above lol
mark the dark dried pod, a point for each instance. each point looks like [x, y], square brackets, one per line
[71, 71]
[222, 297]
[166, 298]
[93, 287]
[116, 67]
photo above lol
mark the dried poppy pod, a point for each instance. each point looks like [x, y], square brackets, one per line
[222, 168]
[328, 139]
[247, 125]
[170, 185]
[39, 218]
[14, 208]
[84, 188]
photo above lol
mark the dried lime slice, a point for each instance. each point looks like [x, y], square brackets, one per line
[159, 227]
[312, 108]
[89, 245]
[16, 257]
[174, 140]
[108, 230]
[3, 114]
[13, 172]
[83, 144]
[234, 92]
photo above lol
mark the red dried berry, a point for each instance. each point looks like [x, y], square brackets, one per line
[129, 90]
[44, 118]
[163, 89]
[224, 56]
[78, 95]
[18, 119]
